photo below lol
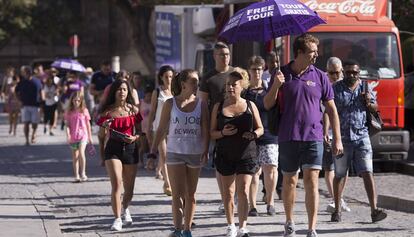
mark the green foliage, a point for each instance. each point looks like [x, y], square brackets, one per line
[41, 20]
[14, 17]
[54, 20]
[403, 14]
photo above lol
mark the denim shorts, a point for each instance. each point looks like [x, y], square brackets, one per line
[300, 154]
[359, 152]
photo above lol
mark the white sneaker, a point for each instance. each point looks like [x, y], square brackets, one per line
[127, 217]
[231, 231]
[117, 225]
[243, 232]
[331, 207]
[344, 206]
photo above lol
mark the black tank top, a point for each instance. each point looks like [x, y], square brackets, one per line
[243, 123]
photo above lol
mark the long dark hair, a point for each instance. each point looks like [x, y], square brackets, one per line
[110, 100]
[179, 78]
[161, 71]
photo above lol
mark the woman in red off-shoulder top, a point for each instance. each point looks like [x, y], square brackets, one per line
[122, 119]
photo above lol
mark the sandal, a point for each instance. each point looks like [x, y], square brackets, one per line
[167, 190]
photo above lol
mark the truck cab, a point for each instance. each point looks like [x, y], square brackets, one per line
[363, 31]
[185, 35]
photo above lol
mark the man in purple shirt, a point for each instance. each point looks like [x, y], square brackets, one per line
[302, 87]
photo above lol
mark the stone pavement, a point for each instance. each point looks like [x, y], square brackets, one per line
[38, 198]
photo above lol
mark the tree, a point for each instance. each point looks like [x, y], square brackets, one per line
[139, 13]
[39, 20]
[14, 17]
[403, 14]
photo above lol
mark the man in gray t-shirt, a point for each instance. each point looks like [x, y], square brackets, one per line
[212, 85]
[212, 89]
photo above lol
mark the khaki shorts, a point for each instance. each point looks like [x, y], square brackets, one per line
[192, 161]
[30, 114]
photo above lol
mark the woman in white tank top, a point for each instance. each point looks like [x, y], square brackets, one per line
[159, 96]
[185, 119]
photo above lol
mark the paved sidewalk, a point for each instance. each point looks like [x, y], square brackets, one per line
[38, 198]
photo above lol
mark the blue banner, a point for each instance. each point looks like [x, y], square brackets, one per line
[167, 40]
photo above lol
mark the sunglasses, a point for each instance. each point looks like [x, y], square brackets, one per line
[334, 72]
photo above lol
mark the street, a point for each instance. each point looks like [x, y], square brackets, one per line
[38, 198]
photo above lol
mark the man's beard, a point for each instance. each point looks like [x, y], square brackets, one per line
[350, 81]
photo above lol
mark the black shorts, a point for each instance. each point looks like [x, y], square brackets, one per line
[126, 153]
[49, 113]
[227, 163]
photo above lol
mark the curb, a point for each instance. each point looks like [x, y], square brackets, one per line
[405, 167]
[395, 203]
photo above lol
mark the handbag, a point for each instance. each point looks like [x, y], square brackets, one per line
[117, 135]
[375, 122]
[90, 149]
[273, 118]
[274, 115]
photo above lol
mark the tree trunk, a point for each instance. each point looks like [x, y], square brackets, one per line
[139, 17]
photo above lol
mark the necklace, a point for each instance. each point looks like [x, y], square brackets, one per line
[122, 111]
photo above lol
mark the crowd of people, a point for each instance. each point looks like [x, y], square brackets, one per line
[186, 120]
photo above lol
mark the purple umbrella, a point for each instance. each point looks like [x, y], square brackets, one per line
[68, 64]
[264, 21]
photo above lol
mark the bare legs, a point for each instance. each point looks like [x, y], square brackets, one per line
[121, 176]
[101, 140]
[79, 161]
[184, 182]
[370, 189]
[13, 118]
[162, 166]
[310, 180]
[26, 132]
[254, 186]
[229, 183]
[329, 177]
[270, 180]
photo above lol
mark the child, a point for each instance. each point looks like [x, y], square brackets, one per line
[78, 132]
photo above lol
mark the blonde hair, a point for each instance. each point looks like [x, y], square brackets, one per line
[74, 95]
[242, 75]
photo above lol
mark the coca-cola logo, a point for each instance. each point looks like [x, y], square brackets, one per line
[364, 7]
